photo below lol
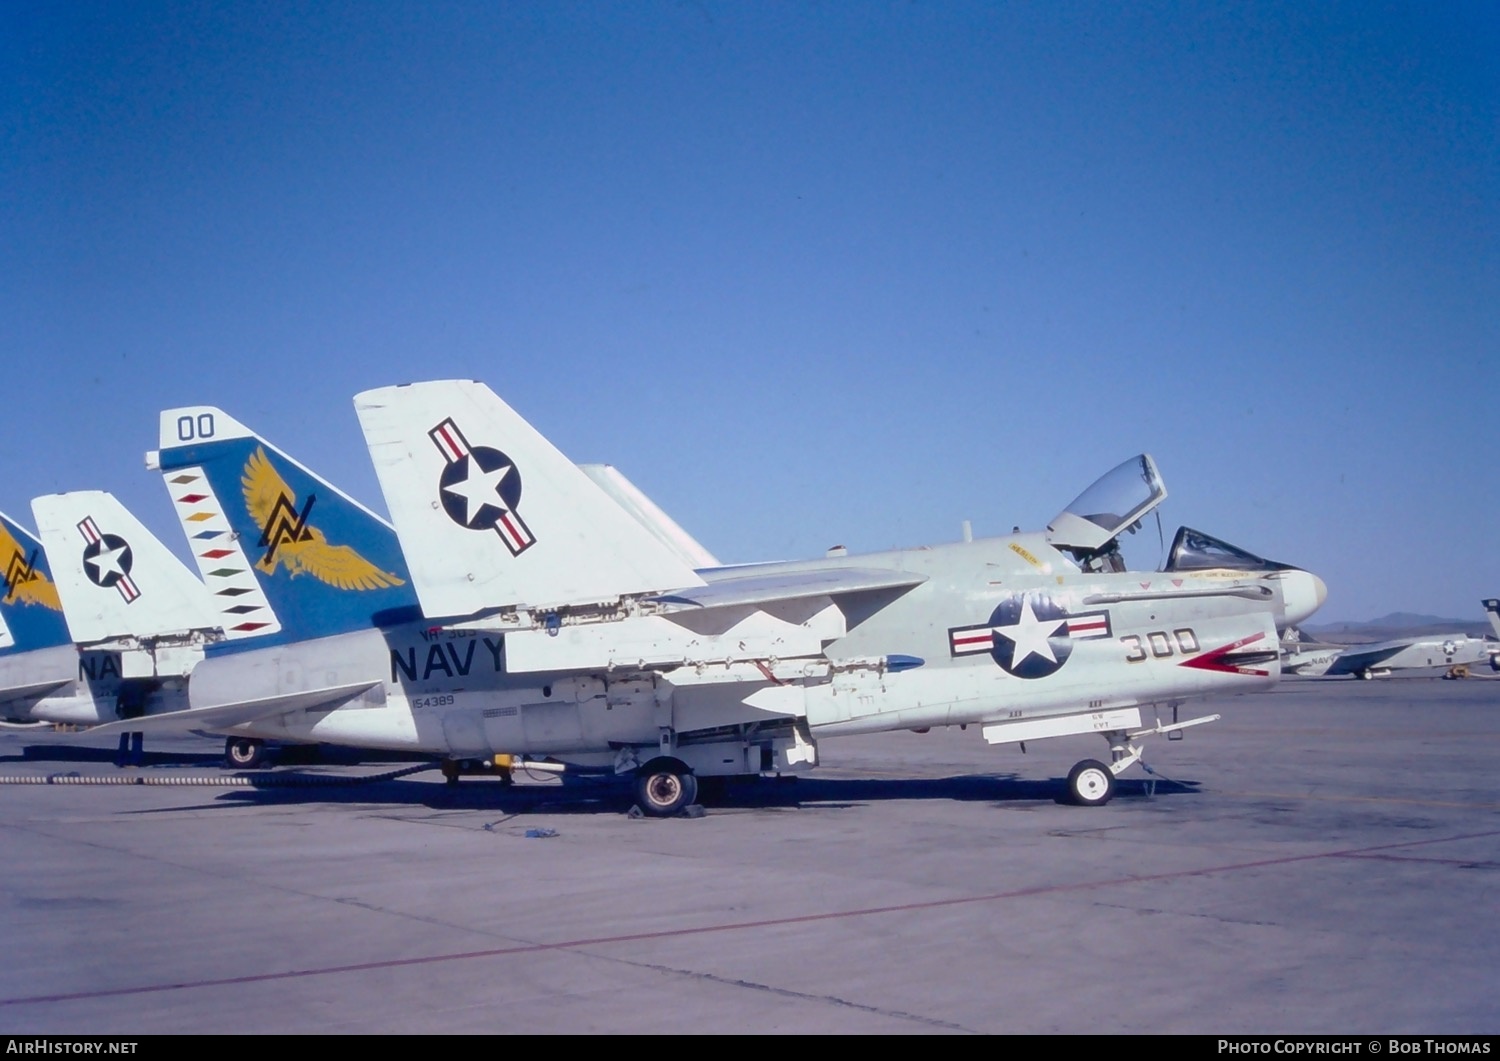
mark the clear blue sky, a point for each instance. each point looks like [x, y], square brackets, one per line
[808, 273]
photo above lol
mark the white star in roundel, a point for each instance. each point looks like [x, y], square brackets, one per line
[1029, 636]
[480, 488]
[108, 563]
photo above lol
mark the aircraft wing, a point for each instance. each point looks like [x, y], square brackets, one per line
[782, 614]
[731, 591]
[1357, 657]
[228, 716]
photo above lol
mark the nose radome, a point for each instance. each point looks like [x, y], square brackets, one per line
[1302, 593]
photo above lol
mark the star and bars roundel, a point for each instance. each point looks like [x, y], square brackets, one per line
[480, 488]
[107, 560]
[1030, 635]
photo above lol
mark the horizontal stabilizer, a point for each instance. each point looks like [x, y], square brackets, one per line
[491, 515]
[31, 690]
[227, 716]
[31, 674]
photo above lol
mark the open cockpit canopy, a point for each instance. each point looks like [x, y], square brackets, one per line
[1115, 502]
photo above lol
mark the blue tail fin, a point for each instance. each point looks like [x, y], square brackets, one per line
[31, 614]
[286, 556]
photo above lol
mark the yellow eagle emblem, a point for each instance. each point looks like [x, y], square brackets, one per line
[23, 583]
[290, 541]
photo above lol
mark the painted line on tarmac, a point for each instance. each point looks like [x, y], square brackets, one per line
[1322, 798]
[268, 780]
[736, 926]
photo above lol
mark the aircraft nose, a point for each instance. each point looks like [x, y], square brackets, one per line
[1302, 593]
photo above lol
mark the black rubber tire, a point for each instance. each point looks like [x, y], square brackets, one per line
[1091, 784]
[663, 787]
[245, 753]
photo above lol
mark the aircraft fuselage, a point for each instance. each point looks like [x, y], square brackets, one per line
[1003, 632]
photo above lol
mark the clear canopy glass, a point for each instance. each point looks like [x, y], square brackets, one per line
[1192, 550]
[1116, 501]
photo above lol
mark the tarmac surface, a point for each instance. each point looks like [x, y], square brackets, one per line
[1325, 859]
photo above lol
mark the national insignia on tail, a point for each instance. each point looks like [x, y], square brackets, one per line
[291, 541]
[480, 488]
[107, 560]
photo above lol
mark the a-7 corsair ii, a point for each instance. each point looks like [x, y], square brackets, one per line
[562, 623]
[619, 656]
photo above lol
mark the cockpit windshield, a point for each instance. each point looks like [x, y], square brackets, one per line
[1114, 503]
[1195, 551]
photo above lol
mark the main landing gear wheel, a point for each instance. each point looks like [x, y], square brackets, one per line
[245, 753]
[663, 787]
[1091, 784]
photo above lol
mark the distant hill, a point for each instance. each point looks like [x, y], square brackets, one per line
[1396, 624]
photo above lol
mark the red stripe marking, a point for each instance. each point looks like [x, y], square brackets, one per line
[515, 535]
[453, 449]
[1215, 660]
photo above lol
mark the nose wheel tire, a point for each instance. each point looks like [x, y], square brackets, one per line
[663, 787]
[1091, 784]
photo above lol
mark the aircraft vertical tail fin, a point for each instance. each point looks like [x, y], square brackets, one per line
[1492, 609]
[649, 515]
[284, 554]
[31, 614]
[491, 515]
[115, 578]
